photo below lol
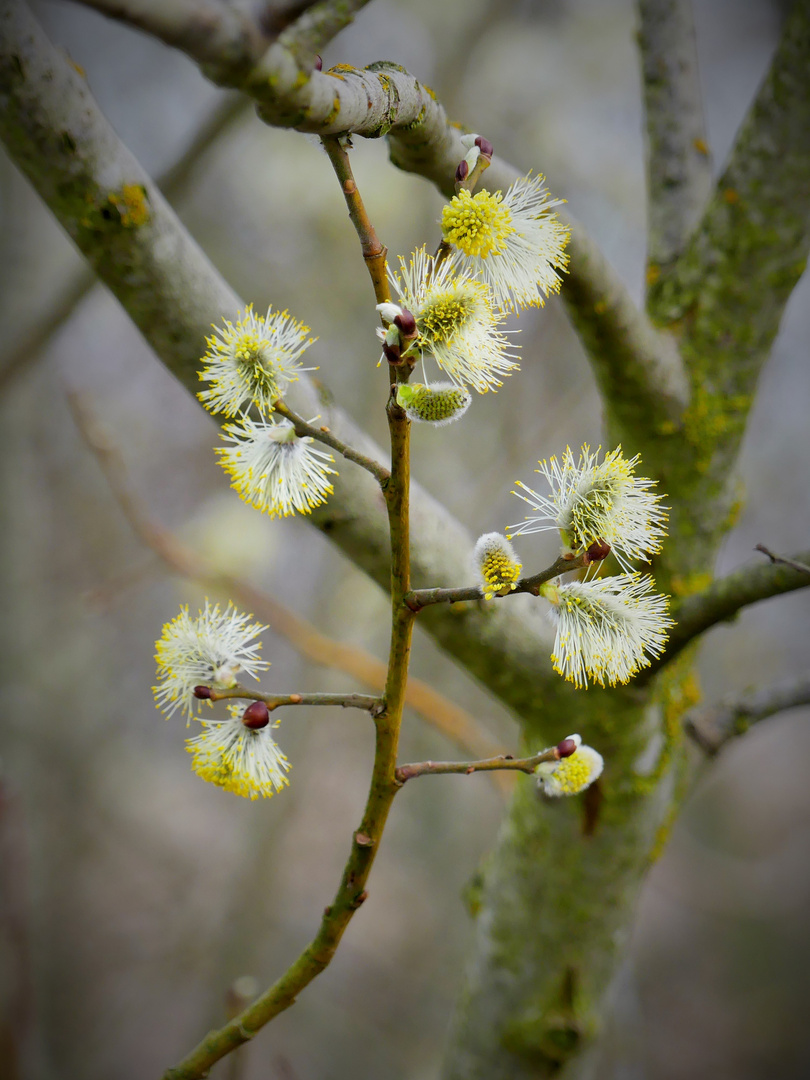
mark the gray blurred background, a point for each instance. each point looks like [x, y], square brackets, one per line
[133, 893]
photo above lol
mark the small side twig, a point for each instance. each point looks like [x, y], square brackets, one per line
[725, 598]
[325, 436]
[421, 598]
[712, 726]
[794, 564]
[432, 707]
[366, 702]
[502, 761]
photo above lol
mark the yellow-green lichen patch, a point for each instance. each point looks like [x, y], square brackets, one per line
[131, 204]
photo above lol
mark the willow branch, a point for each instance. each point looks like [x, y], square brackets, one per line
[728, 289]
[219, 36]
[274, 701]
[173, 295]
[711, 727]
[26, 346]
[782, 560]
[374, 253]
[432, 707]
[325, 436]
[679, 175]
[502, 761]
[726, 597]
[632, 361]
[422, 598]
[384, 785]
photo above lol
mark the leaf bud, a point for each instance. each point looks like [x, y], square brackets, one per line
[203, 693]
[462, 171]
[256, 716]
[599, 549]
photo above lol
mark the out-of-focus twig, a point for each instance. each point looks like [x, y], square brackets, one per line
[712, 726]
[793, 563]
[435, 709]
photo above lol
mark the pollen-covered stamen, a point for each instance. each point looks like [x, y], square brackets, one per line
[478, 225]
[439, 404]
[578, 768]
[444, 317]
[497, 564]
[607, 628]
[239, 758]
[252, 360]
[455, 320]
[273, 469]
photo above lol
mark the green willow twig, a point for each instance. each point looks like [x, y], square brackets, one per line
[387, 716]
[374, 252]
[325, 436]
[366, 702]
[421, 598]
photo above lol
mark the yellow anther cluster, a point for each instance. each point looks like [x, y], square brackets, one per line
[478, 224]
[442, 318]
[573, 774]
[499, 572]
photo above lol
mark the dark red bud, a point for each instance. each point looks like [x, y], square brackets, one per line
[462, 169]
[202, 692]
[318, 64]
[485, 146]
[392, 353]
[567, 747]
[405, 323]
[598, 550]
[256, 716]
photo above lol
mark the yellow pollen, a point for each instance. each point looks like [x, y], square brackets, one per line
[572, 774]
[478, 224]
[499, 573]
[443, 318]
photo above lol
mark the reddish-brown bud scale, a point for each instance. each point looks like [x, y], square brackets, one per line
[391, 353]
[202, 692]
[256, 716]
[405, 323]
[462, 169]
[566, 748]
[599, 549]
[485, 146]
[318, 65]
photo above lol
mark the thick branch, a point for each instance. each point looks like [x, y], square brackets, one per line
[422, 598]
[637, 367]
[467, 768]
[730, 286]
[727, 596]
[713, 726]
[26, 346]
[679, 174]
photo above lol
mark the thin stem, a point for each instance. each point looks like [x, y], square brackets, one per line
[421, 598]
[273, 701]
[432, 707]
[325, 436]
[351, 892]
[503, 761]
[794, 564]
[374, 252]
